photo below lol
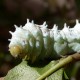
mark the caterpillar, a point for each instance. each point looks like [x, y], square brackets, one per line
[38, 42]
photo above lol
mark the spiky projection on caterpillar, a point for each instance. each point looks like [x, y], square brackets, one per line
[39, 42]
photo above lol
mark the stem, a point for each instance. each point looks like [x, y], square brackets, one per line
[56, 67]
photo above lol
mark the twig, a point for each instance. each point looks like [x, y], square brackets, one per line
[62, 63]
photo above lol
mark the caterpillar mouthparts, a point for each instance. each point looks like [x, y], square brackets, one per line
[39, 42]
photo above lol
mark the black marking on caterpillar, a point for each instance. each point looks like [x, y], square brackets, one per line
[39, 42]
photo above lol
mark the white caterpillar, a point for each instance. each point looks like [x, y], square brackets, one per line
[39, 42]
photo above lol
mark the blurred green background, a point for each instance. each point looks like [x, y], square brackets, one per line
[17, 11]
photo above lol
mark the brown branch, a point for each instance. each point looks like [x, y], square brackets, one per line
[2, 78]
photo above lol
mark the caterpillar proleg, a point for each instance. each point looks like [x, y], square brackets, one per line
[39, 42]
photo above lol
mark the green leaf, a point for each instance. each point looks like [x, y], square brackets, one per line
[43, 69]
[65, 76]
[26, 72]
[22, 72]
[58, 75]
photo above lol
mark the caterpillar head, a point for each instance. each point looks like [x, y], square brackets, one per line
[15, 51]
[18, 42]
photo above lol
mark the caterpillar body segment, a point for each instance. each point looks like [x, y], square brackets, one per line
[38, 42]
